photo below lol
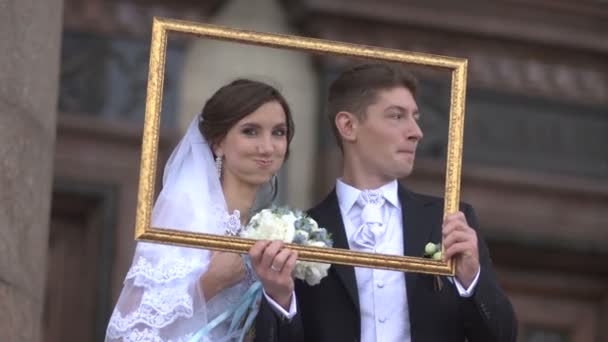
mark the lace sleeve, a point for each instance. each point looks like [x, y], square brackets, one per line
[161, 299]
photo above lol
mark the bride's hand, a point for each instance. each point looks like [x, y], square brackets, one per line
[274, 266]
[225, 270]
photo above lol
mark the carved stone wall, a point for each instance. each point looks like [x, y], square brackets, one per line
[131, 18]
[537, 93]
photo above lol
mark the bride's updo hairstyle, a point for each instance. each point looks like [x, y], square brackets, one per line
[233, 102]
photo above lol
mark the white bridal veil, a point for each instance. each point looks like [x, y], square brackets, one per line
[162, 300]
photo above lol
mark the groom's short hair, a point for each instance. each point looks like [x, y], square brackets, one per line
[356, 89]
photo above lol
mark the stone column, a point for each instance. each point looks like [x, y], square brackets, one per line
[30, 38]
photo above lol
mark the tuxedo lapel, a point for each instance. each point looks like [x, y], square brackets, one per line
[416, 232]
[329, 216]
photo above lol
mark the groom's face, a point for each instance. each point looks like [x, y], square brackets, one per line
[388, 135]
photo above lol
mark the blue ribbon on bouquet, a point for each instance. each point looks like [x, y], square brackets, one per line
[247, 305]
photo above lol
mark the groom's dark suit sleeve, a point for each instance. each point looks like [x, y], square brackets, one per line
[488, 314]
[270, 326]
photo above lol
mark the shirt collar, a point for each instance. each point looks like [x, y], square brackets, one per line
[348, 195]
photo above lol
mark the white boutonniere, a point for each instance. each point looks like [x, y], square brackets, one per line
[433, 251]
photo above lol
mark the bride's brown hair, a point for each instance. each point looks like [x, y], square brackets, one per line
[233, 102]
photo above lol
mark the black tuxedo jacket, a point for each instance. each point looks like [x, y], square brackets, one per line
[329, 312]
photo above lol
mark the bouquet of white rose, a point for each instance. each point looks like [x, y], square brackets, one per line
[281, 223]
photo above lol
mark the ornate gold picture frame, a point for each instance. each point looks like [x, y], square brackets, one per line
[160, 30]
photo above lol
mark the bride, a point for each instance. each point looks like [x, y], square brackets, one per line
[210, 183]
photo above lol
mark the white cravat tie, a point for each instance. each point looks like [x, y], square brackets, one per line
[372, 227]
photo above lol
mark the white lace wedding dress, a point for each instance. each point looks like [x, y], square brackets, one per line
[162, 300]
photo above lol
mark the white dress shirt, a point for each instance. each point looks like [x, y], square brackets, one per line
[382, 294]
[279, 309]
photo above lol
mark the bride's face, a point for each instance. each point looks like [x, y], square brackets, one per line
[254, 148]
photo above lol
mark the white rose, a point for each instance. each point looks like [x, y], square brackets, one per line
[311, 272]
[290, 218]
[269, 226]
[263, 226]
[249, 233]
[316, 272]
[290, 229]
[317, 244]
[274, 228]
[300, 270]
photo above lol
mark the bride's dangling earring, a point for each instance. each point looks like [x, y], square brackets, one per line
[273, 184]
[218, 165]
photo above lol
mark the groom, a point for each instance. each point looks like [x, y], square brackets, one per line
[375, 118]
